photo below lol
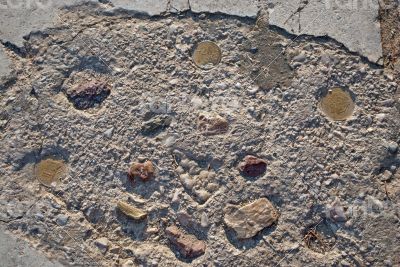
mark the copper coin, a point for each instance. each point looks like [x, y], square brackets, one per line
[207, 55]
[337, 104]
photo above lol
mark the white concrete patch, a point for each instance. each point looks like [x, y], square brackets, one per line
[356, 26]
[243, 8]
[5, 63]
[23, 17]
[179, 6]
[151, 8]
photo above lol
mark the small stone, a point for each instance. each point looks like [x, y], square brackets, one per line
[156, 124]
[131, 211]
[175, 197]
[345, 263]
[188, 245]
[128, 263]
[102, 244]
[204, 220]
[88, 95]
[115, 249]
[252, 166]
[299, 58]
[212, 124]
[393, 147]
[108, 133]
[335, 212]
[143, 170]
[202, 195]
[187, 181]
[386, 175]
[62, 219]
[248, 220]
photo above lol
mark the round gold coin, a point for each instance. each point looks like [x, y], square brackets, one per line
[207, 55]
[50, 171]
[337, 104]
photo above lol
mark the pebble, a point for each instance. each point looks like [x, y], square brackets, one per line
[248, 220]
[188, 245]
[299, 58]
[62, 219]
[252, 166]
[108, 133]
[131, 211]
[102, 244]
[156, 124]
[145, 170]
[88, 95]
[204, 220]
[386, 175]
[335, 211]
[393, 147]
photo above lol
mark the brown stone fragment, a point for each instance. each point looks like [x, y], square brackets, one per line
[252, 166]
[188, 245]
[143, 170]
[87, 95]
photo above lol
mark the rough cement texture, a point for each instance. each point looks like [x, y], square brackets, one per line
[15, 252]
[316, 168]
[356, 25]
[334, 184]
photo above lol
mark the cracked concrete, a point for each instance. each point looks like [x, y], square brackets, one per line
[16, 252]
[356, 27]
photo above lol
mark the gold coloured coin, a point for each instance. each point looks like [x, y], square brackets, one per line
[50, 171]
[337, 104]
[207, 55]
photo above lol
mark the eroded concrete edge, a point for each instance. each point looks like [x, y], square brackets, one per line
[358, 29]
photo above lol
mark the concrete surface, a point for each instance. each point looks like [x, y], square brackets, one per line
[5, 63]
[152, 8]
[247, 8]
[15, 252]
[20, 19]
[356, 26]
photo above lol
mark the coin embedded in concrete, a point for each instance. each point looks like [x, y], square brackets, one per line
[50, 171]
[207, 55]
[337, 104]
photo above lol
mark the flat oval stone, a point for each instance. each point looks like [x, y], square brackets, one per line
[131, 211]
[248, 220]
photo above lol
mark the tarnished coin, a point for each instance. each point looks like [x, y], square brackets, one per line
[50, 171]
[337, 104]
[207, 55]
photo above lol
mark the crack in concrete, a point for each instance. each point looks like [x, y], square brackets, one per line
[302, 5]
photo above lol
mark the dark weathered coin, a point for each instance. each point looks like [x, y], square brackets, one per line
[207, 55]
[50, 171]
[337, 104]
